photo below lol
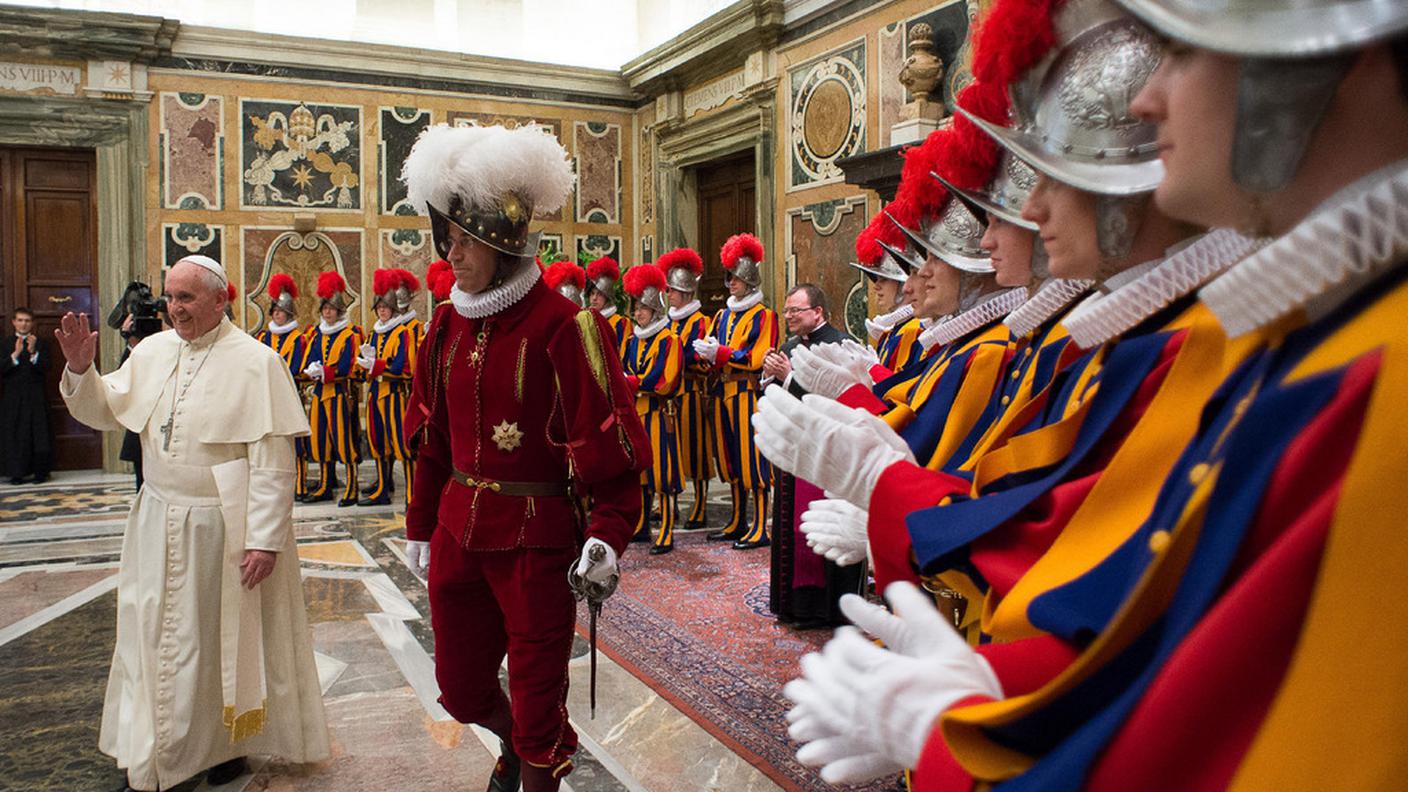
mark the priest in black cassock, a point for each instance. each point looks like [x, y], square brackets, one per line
[805, 587]
[24, 423]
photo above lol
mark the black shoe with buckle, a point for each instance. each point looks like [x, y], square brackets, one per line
[225, 772]
[508, 770]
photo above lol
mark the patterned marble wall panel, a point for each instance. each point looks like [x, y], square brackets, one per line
[826, 115]
[892, 94]
[460, 118]
[400, 126]
[192, 147]
[409, 249]
[646, 151]
[820, 244]
[300, 155]
[594, 246]
[647, 248]
[598, 148]
[265, 251]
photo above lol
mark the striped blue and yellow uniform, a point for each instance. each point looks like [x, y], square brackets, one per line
[694, 414]
[620, 331]
[290, 346]
[656, 363]
[749, 335]
[899, 346]
[389, 385]
[332, 415]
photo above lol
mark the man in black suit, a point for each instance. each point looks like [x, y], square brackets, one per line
[24, 421]
[805, 587]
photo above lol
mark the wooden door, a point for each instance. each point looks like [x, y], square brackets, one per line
[727, 206]
[49, 246]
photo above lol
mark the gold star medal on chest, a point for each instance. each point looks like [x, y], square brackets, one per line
[507, 436]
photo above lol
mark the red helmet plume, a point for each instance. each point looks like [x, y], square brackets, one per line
[330, 283]
[642, 277]
[564, 272]
[409, 280]
[440, 278]
[230, 291]
[604, 267]
[683, 257]
[741, 246]
[282, 283]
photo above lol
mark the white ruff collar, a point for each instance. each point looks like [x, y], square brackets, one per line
[280, 329]
[607, 312]
[1052, 297]
[888, 321]
[1354, 236]
[491, 301]
[996, 305]
[335, 327]
[399, 319]
[651, 329]
[740, 304]
[1103, 317]
[681, 312]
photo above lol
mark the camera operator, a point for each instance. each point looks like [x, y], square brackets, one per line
[137, 315]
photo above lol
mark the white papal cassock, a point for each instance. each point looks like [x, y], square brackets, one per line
[200, 663]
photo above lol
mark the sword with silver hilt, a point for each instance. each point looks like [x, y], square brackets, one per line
[594, 593]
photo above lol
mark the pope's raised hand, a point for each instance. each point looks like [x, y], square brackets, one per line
[78, 341]
[829, 444]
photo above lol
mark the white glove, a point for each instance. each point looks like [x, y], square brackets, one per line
[830, 369]
[836, 530]
[418, 557]
[874, 329]
[599, 572]
[314, 370]
[859, 705]
[367, 362]
[707, 348]
[831, 445]
[366, 351]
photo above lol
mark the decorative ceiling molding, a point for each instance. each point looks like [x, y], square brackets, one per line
[85, 35]
[717, 45]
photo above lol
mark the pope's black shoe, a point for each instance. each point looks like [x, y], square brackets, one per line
[508, 771]
[742, 545]
[225, 772]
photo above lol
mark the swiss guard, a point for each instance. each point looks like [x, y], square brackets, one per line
[743, 332]
[283, 336]
[694, 411]
[602, 276]
[332, 415]
[389, 361]
[653, 361]
[519, 414]
[567, 279]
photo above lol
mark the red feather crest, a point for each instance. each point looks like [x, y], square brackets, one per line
[383, 281]
[563, 271]
[330, 283]
[738, 246]
[642, 277]
[409, 280]
[604, 267]
[280, 283]
[440, 278]
[230, 290]
[681, 257]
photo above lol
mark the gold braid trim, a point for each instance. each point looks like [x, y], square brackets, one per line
[247, 725]
[522, 363]
[591, 343]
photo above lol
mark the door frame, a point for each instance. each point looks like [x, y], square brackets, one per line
[116, 130]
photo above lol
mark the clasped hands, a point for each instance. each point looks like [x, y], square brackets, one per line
[863, 711]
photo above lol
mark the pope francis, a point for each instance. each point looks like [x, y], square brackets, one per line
[213, 660]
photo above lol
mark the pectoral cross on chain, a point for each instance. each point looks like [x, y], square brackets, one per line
[165, 430]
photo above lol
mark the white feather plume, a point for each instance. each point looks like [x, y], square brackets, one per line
[481, 163]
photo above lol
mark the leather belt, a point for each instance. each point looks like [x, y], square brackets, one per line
[741, 376]
[518, 489]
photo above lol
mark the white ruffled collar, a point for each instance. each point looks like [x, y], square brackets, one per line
[607, 312]
[997, 304]
[1154, 286]
[681, 312]
[395, 321]
[1357, 234]
[739, 304]
[889, 320]
[648, 331]
[1050, 299]
[493, 300]
[335, 327]
[279, 329]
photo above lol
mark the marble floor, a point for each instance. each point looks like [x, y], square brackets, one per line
[59, 545]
